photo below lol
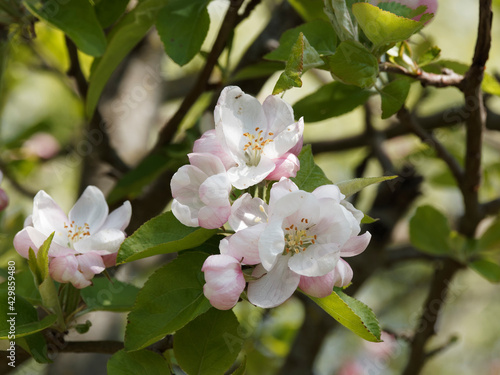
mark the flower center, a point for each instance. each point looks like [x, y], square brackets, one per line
[76, 233]
[253, 148]
[297, 240]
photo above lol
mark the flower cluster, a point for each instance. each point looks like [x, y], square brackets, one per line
[294, 239]
[85, 241]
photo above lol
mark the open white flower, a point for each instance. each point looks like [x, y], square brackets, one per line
[258, 138]
[305, 236]
[88, 232]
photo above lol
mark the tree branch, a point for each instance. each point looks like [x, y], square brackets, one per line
[230, 21]
[475, 121]
[75, 70]
[447, 79]
[427, 322]
[448, 118]
[491, 208]
[405, 117]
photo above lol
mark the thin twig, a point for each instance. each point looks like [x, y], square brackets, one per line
[405, 117]
[491, 208]
[377, 140]
[13, 181]
[448, 79]
[445, 119]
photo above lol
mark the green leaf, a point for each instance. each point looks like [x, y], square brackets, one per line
[144, 362]
[352, 314]
[490, 240]
[42, 257]
[309, 176]
[33, 266]
[161, 235]
[302, 58]
[77, 19]
[23, 314]
[486, 268]
[396, 8]
[124, 36]
[339, 13]
[109, 11]
[368, 219]
[106, 295]
[309, 10]
[319, 34]
[217, 343]
[353, 64]
[84, 327]
[351, 187]
[430, 231]
[331, 100]
[394, 95]
[183, 26]
[25, 287]
[171, 298]
[384, 28]
[430, 55]
[36, 346]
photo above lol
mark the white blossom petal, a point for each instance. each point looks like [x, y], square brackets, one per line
[214, 191]
[316, 260]
[187, 215]
[271, 244]
[247, 211]
[47, 216]
[91, 208]
[119, 218]
[105, 241]
[243, 176]
[274, 287]
[355, 245]
[244, 245]
[30, 237]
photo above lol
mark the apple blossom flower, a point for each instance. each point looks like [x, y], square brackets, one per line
[224, 281]
[82, 238]
[259, 139]
[4, 198]
[201, 192]
[302, 242]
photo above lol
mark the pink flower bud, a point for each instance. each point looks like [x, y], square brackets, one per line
[4, 199]
[224, 281]
[42, 145]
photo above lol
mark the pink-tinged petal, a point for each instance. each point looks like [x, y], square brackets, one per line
[185, 214]
[244, 245]
[213, 217]
[328, 192]
[105, 241]
[224, 281]
[246, 212]
[318, 286]
[4, 200]
[109, 260]
[274, 287]
[342, 274]
[185, 185]
[210, 144]
[333, 225]
[30, 237]
[288, 203]
[271, 244]
[279, 114]
[316, 260]
[90, 264]
[214, 191]
[28, 222]
[207, 163]
[286, 166]
[355, 245]
[91, 208]
[235, 114]
[119, 218]
[298, 147]
[284, 141]
[47, 215]
[280, 189]
[64, 269]
[243, 176]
